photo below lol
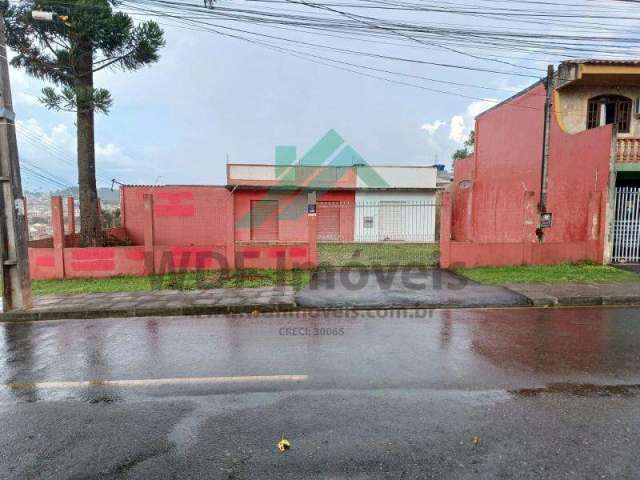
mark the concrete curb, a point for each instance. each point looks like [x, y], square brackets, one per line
[33, 316]
[584, 301]
[194, 310]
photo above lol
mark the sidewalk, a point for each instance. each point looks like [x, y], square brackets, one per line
[432, 288]
[283, 299]
[551, 294]
[158, 303]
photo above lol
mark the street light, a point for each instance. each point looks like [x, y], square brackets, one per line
[42, 16]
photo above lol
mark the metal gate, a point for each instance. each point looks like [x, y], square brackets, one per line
[383, 233]
[328, 221]
[626, 229]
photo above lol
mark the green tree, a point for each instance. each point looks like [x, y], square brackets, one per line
[85, 37]
[469, 145]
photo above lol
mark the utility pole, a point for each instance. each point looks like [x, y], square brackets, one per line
[14, 254]
[545, 217]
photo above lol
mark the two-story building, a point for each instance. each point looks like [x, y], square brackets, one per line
[572, 194]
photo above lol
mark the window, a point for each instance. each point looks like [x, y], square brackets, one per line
[264, 220]
[607, 109]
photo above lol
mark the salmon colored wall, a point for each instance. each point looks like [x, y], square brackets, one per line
[462, 198]
[86, 262]
[578, 166]
[507, 163]
[292, 223]
[494, 222]
[183, 215]
[189, 258]
[42, 263]
[276, 255]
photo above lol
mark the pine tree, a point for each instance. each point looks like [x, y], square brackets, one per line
[86, 36]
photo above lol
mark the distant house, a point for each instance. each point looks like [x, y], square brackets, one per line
[515, 201]
[357, 203]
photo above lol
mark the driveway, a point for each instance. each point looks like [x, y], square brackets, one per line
[432, 288]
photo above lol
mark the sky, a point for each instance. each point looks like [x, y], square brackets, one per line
[212, 99]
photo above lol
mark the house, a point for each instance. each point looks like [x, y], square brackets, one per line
[555, 174]
[265, 217]
[355, 202]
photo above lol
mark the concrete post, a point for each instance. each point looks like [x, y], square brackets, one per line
[312, 229]
[57, 222]
[149, 241]
[71, 216]
[445, 230]
[230, 248]
[609, 203]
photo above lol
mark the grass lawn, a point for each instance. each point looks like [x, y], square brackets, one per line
[175, 281]
[377, 254]
[580, 273]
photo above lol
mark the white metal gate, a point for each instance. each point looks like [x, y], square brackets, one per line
[626, 229]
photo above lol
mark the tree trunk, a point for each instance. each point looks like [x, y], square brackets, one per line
[90, 221]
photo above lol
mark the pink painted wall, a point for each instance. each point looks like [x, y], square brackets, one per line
[183, 215]
[292, 224]
[42, 263]
[188, 258]
[193, 229]
[103, 262]
[87, 262]
[507, 163]
[578, 167]
[461, 197]
[276, 255]
[495, 220]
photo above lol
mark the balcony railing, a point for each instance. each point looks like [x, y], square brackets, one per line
[629, 150]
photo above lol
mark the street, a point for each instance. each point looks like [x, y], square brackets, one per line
[468, 393]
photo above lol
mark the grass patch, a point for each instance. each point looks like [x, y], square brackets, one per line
[174, 281]
[377, 254]
[579, 273]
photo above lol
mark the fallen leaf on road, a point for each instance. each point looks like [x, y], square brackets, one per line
[476, 440]
[284, 445]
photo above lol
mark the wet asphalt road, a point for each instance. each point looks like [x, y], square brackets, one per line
[513, 393]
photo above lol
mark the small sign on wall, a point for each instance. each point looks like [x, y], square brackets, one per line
[546, 220]
[311, 208]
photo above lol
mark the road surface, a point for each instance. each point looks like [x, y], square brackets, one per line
[510, 393]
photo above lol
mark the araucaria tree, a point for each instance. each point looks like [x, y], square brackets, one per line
[469, 145]
[85, 36]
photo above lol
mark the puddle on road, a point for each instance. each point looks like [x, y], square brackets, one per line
[580, 390]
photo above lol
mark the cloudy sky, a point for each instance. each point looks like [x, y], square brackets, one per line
[212, 99]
